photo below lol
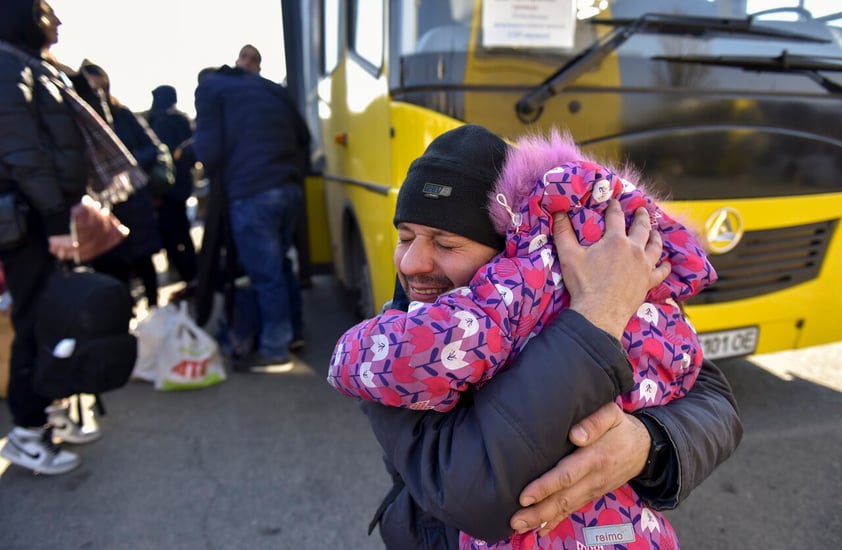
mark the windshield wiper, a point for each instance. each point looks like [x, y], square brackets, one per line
[529, 106]
[809, 66]
[830, 17]
[694, 25]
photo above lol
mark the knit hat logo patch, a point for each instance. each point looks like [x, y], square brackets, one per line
[456, 172]
[436, 190]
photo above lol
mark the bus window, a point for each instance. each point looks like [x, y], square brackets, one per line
[365, 31]
[433, 37]
[330, 35]
[453, 31]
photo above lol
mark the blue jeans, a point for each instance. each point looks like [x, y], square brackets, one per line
[263, 226]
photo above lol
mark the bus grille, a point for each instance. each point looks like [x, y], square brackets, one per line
[768, 261]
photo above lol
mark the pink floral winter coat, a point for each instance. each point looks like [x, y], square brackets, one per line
[424, 358]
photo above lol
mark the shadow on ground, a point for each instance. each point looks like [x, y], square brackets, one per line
[779, 490]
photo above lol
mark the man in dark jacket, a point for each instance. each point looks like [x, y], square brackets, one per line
[249, 60]
[472, 468]
[249, 133]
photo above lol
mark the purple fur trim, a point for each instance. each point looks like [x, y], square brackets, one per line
[531, 157]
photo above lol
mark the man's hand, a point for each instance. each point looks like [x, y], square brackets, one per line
[609, 280]
[613, 450]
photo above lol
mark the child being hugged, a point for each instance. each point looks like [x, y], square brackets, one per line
[425, 357]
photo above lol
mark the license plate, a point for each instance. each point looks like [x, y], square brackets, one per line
[729, 343]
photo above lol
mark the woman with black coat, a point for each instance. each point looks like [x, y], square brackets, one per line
[43, 167]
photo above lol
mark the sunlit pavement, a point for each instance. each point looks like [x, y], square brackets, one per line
[259, 461]
[820, 365]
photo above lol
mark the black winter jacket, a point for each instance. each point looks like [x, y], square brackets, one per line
[464, 470]
[42, 153]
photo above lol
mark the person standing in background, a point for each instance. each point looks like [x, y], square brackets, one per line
[249, 60]
[249, 134]
[46, 167]
[175, 129]
[132, 257]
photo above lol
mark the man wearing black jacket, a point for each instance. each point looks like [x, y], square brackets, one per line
[501, 460]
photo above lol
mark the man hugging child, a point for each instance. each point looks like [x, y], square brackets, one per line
[425, 357]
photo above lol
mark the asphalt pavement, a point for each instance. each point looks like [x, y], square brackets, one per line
[283, 461]
[276, 461]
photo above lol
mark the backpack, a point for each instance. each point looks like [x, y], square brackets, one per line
[82, 333]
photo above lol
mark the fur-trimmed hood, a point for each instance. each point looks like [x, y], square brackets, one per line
[547, 175]
[532, 156]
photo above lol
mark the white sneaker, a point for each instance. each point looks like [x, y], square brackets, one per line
[66, 430]
[34, 449]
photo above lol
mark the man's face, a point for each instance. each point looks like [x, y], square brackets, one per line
[431, 261]
[249, 60]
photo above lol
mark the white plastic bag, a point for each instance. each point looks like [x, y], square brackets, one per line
[151, 332]
[189, 357]
[175, 353]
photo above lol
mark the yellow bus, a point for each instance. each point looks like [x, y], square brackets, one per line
[731, 107]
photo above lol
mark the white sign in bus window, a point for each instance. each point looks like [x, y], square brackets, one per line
[528, 23]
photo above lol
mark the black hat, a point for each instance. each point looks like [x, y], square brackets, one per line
[448, 187]
[163, 97]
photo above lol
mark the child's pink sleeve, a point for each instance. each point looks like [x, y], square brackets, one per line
[423, 358]
[665, 354]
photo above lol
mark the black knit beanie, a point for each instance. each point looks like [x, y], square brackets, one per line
[448, 186]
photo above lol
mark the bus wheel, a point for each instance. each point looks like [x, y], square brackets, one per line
[361, 277]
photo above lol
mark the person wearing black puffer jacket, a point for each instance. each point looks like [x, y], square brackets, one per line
[43, 165]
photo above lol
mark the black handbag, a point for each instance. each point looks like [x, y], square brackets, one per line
[82, 333]
[13, 225]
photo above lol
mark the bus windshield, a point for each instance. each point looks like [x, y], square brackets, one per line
[545, 27]
[436, 40]
[650, 81]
